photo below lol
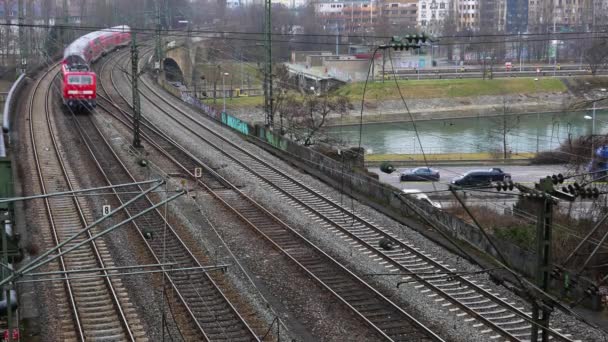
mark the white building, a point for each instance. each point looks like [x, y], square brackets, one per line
[431, 14]
[467, 13]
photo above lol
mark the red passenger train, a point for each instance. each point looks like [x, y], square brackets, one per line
[79, 83]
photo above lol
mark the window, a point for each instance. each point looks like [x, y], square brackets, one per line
[73, 79]
[80, 79]
[394, 5]
[423, 6]
[403, 12]
[442, 5]
[86, 79]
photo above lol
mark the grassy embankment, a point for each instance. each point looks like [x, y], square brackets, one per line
[427, 89]
[443, 157]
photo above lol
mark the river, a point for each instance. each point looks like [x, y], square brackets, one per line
[525, 133]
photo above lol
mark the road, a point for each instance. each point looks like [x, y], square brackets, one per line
[522, 174]
[497, 201]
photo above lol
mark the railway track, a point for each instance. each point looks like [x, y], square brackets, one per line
[473, 302]
[97, 308]
[381, 314]
[210, 314]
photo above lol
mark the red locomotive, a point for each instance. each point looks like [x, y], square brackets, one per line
[79, 83]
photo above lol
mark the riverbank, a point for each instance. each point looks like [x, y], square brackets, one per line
[448, 159]
[445, 99]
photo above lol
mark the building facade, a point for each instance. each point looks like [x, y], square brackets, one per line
[517, 16]
[347, 16]
[399, 14]
[467, 14]
[432, 14]
[560, 15]
[492, 15]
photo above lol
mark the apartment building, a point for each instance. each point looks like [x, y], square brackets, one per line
[347, 16]
[432, 14]
[467, 14]
[400, 14]
[560, 14]
[492, 15]
[517, 16]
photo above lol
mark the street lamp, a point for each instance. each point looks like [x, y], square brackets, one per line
[592, 118]
[224, 88]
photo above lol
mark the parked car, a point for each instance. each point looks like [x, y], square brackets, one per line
[482, 177]
[420, 174]
[417, 194]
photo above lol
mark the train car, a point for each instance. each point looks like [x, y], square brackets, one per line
[79, 83]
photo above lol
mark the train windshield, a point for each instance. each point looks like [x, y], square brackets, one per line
[80, 79]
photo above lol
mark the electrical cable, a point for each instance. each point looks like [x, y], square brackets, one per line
[216, 37]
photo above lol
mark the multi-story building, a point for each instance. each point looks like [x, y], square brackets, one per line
[347, 16]
[600, 14]
[432, 14]
[517, 16]
[560, 14]
[399, 14]
[467, 14]
[492, 15]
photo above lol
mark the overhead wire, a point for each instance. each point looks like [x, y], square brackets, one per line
[214, 36]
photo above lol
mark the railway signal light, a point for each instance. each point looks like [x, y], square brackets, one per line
[415, 38]
[386, 167]
[406, 42]
[557, 179]
[504, 186]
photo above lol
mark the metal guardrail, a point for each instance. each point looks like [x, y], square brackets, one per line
[7, 111]
[495, 74]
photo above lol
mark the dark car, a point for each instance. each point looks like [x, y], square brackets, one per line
[481, 177]
[420, 174]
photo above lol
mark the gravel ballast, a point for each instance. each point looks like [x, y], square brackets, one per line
[331, 243]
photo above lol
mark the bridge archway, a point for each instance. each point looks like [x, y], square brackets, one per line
[173, 72]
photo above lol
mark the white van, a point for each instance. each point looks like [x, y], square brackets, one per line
[417, 194]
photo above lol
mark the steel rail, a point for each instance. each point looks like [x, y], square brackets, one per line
[251, 218]
[368, 245]
[82, 332]
[160, 218]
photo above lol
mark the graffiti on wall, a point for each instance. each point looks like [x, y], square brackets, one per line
[235, 123]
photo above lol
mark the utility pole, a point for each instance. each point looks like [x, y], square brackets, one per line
[135, 89]
[22, 39]
[593, 132]
[159, 51]
[64, 31]
[543, 263]
[268, 100]
[544, 196]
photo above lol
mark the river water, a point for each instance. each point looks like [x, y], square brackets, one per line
[525, 133]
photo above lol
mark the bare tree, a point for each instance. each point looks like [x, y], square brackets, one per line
[506, 126]
[596, 55]
[306, 116]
